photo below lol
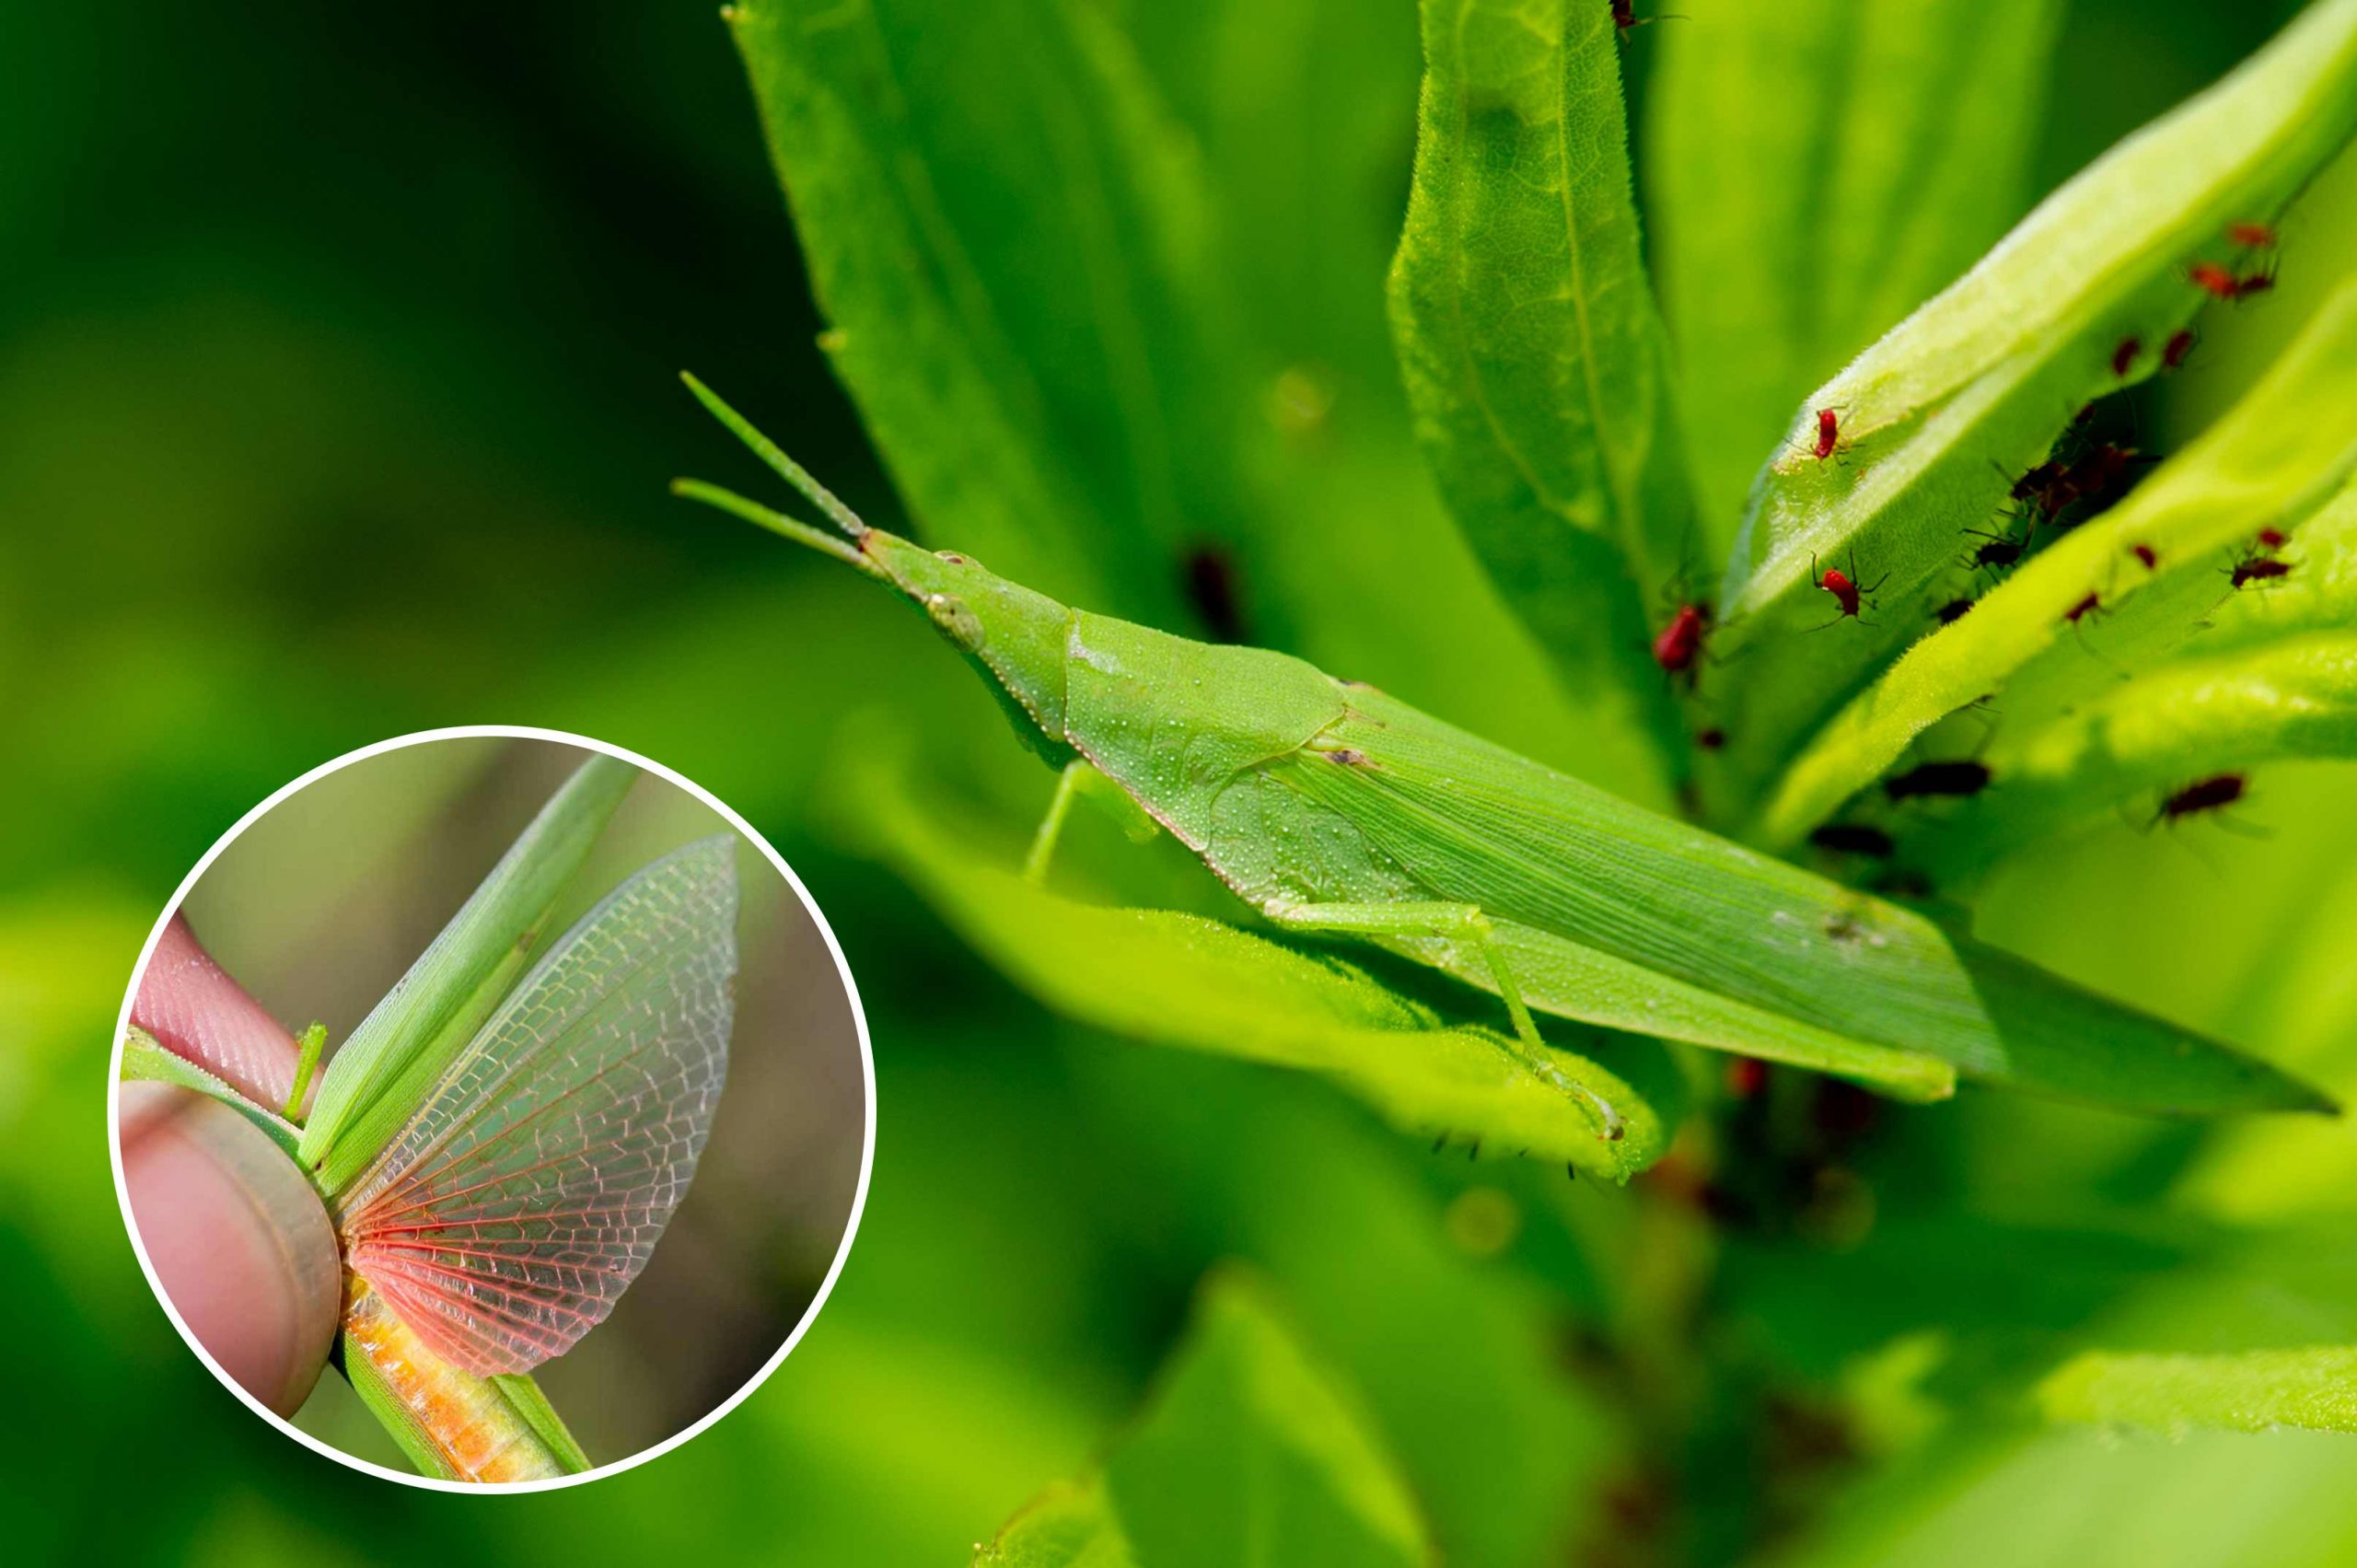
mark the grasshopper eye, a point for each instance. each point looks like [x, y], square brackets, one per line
[953, 615]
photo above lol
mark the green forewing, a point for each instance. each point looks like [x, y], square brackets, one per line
[1197, 984]
[1544, 851]
[378, 1078]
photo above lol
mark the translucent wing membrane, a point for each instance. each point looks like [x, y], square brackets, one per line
[505, 1219]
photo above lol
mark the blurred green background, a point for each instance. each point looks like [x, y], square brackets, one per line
[320, 905]
[336, 400]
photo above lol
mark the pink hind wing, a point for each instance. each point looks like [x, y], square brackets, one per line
[505, 1219]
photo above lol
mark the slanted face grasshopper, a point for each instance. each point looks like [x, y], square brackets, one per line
[1331, 807]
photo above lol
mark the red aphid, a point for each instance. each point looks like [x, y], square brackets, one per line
[1747, 1075]
[1829, 438]
[1624, 17]
[2083, 608]
[2273, 538]
[2174, 352]
[2094, 477]
[2048, 487]
[1847, 590]
[1711, 740]
[2261, 569]
[2144, 553]
[2123, 359]
[2217, 282]
[2253, 283]
[1837, 581]
[2252, 235]
[2211, 794]
[1678, 645]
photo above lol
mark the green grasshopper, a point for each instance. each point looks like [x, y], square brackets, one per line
[1331, 808]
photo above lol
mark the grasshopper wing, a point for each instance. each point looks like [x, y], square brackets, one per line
[506, 1218]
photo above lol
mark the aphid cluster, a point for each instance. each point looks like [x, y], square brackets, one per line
[2221, 281]
[2261, 564]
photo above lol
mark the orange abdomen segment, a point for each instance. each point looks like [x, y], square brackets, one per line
[462, 1421]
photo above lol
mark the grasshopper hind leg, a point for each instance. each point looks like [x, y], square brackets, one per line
[1464, 923]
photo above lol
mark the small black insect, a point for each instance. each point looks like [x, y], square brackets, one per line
[1854, 838]
[1961, 776]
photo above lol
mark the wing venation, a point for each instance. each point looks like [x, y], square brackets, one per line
[507, 1217]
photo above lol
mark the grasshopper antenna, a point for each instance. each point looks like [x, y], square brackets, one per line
[762, 517]
[793, 474]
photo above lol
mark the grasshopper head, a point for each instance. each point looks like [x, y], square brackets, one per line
[1017, 636]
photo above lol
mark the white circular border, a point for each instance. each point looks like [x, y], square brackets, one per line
[646, 764]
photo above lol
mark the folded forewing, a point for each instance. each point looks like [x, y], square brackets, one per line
[506, 1218]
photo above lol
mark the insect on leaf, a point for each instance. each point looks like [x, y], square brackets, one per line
[506, 1218]
[1197, 984]
[2285, 447]
[1811, 177]
[1934, 422]
[2193, 719]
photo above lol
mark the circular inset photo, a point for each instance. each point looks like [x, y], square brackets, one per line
[491, 1107]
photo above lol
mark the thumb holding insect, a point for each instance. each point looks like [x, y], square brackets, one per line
[238, 1239]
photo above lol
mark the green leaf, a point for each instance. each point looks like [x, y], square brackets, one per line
[1197, 984]
[2192, 612]
[1094, 367]
[1812, 176]
[382, 1072]
[1005, 231]
[1250, 1451]
[2148, 737]
[1971, 389]
[2315, 1388]
[1529, 339]
[2283, 450]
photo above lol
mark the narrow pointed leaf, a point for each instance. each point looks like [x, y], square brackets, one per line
[1011, 272]
[2285, 447]
[377, 1078]
[510, 1213]
[1937, 418]
[2193, 611]
[2127, 750]
[1079, 344]
[1529, 340]
[1812, 176]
